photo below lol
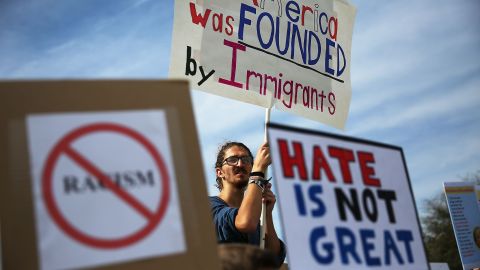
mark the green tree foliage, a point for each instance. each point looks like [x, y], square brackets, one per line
[438, 235]
[472, 177]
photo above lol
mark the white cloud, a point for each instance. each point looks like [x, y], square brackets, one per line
[364, 101]
[418, 109]
[120, 45]
[442, 160]
[406, 41]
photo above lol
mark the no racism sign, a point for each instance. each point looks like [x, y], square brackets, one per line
[344, 202]
[104, 187]
[294, 55]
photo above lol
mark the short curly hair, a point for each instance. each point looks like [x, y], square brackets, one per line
[221, 157]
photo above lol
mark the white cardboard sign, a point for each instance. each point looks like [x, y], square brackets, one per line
[345, 203]
[294, 55]
[104, 188]
[465, 216]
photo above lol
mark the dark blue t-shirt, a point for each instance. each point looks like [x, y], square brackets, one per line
[224, 222]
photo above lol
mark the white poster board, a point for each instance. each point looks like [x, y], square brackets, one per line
[294, 55]
[104, 188]
[345, 203]
[465, 215]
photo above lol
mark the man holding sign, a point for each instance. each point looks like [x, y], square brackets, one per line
[236, 210]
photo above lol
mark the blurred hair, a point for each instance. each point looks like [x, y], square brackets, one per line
[245, 256]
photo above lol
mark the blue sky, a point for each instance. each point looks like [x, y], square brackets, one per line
[415, 73]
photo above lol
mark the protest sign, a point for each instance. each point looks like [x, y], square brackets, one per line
[345, 203]
[465, 215]
[86, 200]
[111, 166]
[294, 55]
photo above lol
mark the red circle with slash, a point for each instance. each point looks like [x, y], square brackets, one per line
[63, 147]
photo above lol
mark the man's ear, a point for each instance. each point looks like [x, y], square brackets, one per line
[219, 172]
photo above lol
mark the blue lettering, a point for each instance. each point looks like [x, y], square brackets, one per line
[346, 244]
[391, 246]
[324, 252]
[368, 246]
[316, 234]
[295, 9]
[300, 200]
[303, 48]
[406, 237]
[277, 37]
[312, 35]
[243, 20]
[340, 52]
[312, 192]
[328, 57]
[259, 30]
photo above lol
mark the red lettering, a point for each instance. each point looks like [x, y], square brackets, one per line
[229, 30]
[290, 161]
[305, 8]
[344, 156]
[198, 18]
[365, 158]
[235, 46]
[218, 25]
[320, 163]
[331, 100]
[257, 75]
[335, 23]
[297, 85]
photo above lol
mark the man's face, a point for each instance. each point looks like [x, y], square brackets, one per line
[237, 174]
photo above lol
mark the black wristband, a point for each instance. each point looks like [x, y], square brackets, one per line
[261, 174]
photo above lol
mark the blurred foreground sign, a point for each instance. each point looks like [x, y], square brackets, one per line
[294, 55]
[465, 215]
[103, 182]
[111, 166]
[345, 203]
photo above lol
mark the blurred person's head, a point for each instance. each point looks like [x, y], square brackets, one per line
[244, 256]
[476, 236]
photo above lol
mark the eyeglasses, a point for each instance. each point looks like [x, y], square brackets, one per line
[233, 160]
